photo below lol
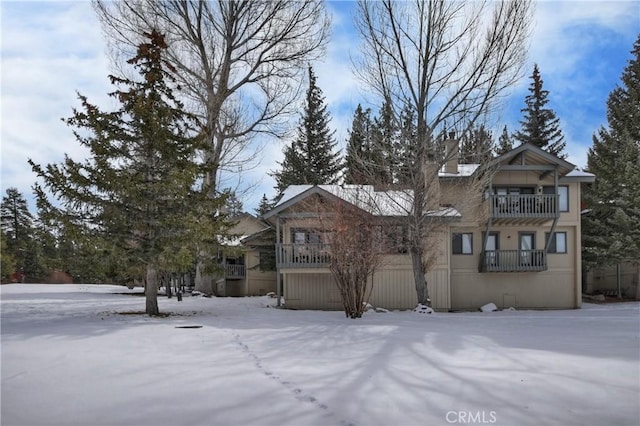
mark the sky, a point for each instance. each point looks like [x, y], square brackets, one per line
[69, 357]
[52, 50]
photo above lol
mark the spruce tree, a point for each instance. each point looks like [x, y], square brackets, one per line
[407, 148]
[264, 206]
[505, 143]
[611, 228]
[311, 158]
[540, 126]
[17, 226]
[138, 187]
[357, 161]
[7, 261]
[384, 146]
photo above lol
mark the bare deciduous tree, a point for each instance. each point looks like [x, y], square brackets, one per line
[449, 62]
[238, 63]
[357, 246]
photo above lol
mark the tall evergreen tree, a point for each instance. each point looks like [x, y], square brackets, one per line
[311, 158]
[264, 206]
[505, 142]
[540, 126]
[17, 226]
[611, 228]
[384, 146]
[7, 261]
[407, 148]
[357, 161]
[16, 219]
[233, 205]
[138, 186]
[476, 145]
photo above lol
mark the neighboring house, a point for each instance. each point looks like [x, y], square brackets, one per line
[247, 262]
[496, 249]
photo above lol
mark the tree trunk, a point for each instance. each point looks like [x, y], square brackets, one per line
[151, 291]
[168, 282]
[422, 291]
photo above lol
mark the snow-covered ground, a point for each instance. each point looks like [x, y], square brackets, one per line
[70, 358]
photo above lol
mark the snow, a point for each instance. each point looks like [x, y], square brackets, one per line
[381, 203]
[70, 357]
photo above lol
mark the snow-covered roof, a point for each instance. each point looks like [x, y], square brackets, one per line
[578, 175]
[379, 203]
[464, 170]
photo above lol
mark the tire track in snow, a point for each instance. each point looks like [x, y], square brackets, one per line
[298, 393]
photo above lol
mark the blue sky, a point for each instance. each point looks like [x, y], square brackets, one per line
[51, 50]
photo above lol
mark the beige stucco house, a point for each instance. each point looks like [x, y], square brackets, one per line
[247, 264]
[493, 245]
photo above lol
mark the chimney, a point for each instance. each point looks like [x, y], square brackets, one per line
[451, 154]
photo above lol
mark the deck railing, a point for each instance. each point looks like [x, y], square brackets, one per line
[234, 271]
[510, 206]
[513, 261]
[303, 255]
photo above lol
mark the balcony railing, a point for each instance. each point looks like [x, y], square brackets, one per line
[232, 271]
[510, 206]
[513, 261]
[303, 255]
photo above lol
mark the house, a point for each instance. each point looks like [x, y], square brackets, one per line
[492, 246]
[247, 264]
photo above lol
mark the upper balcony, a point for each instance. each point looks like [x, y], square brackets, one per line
[303, 255]
[513, 261]
[523, 208]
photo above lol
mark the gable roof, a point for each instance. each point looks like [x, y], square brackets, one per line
[390, 203]
[531, 157]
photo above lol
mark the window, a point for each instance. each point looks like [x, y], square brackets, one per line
[563, 199]
[563, 191]
[558, 242]
[303, 236]
[462, 243]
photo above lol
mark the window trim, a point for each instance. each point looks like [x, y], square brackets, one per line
[461, 235]
[553, 247]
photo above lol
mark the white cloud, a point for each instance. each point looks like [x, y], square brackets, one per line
[50, 50]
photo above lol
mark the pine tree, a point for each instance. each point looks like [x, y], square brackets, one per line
[384, 146]
[611, 228]
[407, 149]
[505, 143]
[357, 161]
[17, 226]
[540, 125]
[475, 145]
[7, 261]
[138, 186]
[233, 205]
[264, 206]
[16, 219]
[311, 158]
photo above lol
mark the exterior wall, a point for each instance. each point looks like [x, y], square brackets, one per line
[393, 287]
[558, 287]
